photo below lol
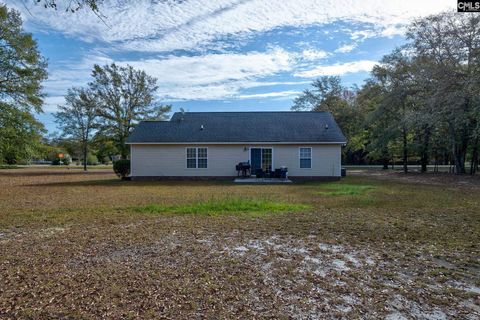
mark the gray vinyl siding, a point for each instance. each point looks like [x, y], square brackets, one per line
[157, 160]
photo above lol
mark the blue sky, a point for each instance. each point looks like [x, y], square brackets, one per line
[221, 55]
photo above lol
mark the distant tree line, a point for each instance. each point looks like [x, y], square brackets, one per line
[421, 104]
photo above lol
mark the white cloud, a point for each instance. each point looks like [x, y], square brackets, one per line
[51, 103]
[214, 76]
[277, 94]
[205, 77]
[62, 75]
[346, 48]
[338, 69]
[361, 35]
[277, 83]
[146, 25]
[312, 54]
[393, 30]
[375, 31]
[212, 68]
[194, 25]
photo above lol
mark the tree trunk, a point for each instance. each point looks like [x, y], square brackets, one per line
[459, 160]
[426, 141]
[124, 153]
[474, 163]
[424, 162]
[385, 164]
[385, 158]
[123, 148]
[85, 157]
[458, 152]
[405, 153]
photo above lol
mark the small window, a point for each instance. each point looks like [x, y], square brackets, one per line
[197, 158]
[305, 158]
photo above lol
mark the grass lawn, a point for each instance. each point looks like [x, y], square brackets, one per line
[87, 245]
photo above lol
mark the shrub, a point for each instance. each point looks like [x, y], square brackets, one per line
[92, 160]
[122, 168]
[58, 161]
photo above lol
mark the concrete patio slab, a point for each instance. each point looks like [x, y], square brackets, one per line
[262, 180]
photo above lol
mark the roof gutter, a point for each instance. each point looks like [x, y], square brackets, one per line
[246, 142]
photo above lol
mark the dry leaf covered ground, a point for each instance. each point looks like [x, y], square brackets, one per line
[75, 245]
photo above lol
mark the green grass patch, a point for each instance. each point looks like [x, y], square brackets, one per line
[345, 189]
[215, 207]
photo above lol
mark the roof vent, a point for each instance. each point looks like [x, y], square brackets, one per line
[326, 126]
[202, 127]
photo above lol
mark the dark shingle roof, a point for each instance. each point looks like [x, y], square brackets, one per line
[288, 127]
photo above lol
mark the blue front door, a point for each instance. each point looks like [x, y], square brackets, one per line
[256, 159]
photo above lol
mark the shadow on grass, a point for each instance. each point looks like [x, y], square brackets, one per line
[73, 172]
[7, 166]
[88, 183]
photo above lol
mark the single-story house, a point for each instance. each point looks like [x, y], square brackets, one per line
[211, 144]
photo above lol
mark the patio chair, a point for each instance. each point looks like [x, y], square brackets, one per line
[278, 173]
[259, 173]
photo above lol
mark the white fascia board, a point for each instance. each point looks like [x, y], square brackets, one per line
[227, 143]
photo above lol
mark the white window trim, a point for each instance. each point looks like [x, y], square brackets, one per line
[299, 158]
[196, 158]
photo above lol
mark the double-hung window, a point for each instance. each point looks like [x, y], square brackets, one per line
[202, 160]
[197, 158]
[305, 158]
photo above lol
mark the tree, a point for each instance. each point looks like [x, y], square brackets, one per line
[22, 68]
[125, 97]
[452, 43]
[394, 74]
[73, 5]
[377, 133]
[78, 118]
[105, 148]
[328, 94]
[421, 102]
[325, 93]
[20, 135]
